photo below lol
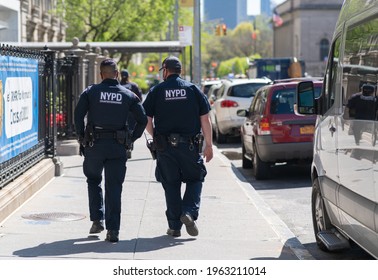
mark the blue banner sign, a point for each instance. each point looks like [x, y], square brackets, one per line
[18, 105]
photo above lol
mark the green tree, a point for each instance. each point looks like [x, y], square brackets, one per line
[116, 20]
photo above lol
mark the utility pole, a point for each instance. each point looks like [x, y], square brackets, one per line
[197, 43]
[175, 25]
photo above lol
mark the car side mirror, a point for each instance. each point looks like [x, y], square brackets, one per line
[242, 113]
[305, 94]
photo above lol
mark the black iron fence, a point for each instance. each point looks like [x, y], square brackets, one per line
[57, 93]
[20, 151]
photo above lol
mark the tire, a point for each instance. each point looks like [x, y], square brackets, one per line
[246, 163]
[320, 218]
[261, 169]
[220, 137]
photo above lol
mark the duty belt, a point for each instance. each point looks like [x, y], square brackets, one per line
[105, 135]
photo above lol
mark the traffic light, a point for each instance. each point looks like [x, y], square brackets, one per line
[218, 30]
[151, 68]
[224, 29]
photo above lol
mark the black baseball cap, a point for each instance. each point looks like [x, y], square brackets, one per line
[124, 73]
[368, 89]
[171, 62]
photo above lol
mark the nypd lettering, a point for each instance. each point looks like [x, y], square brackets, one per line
[175, 94]
[111, 97]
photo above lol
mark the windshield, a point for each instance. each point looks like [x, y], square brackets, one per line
[283, 100]
[245, 90]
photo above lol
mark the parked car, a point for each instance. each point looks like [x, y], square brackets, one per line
[345, 160]
[213, 92]
[232, 95]
[206, 85]
[272, 133]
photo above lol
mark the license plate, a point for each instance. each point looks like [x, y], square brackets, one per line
[307, 129]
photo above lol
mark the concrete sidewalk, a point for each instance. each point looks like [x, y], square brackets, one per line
[234, 222]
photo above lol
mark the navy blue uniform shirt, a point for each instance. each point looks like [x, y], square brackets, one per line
[134, 88]
[108, 105]
[176, 106]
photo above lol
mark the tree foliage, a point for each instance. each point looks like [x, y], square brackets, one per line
[116, 20]
[237, 43]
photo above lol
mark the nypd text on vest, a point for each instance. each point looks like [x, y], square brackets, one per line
[175, 94]
[111, 97]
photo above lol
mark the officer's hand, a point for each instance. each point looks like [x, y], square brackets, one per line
[208, 153]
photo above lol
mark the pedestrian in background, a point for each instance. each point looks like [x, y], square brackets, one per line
[177, 112]
[103, 142]
[134, 87]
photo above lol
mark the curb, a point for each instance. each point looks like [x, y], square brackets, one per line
[286, 236]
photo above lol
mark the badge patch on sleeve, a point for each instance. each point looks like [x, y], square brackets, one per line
[175, 94]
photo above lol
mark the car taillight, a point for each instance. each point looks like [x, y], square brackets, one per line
[228, 104]
[264, 126]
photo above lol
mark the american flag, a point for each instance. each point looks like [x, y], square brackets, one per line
[277, 20]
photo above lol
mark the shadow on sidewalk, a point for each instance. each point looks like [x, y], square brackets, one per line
[93, 244]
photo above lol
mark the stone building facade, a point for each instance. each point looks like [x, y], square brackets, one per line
[306, 31]
[30, 21]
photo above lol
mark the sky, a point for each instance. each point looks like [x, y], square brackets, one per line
[254, 5]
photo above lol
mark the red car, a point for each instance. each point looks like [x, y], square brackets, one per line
[272, 133]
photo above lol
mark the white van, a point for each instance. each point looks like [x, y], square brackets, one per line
[345, 161]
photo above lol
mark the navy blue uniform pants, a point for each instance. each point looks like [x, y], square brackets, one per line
[109, 156]
[177, 165]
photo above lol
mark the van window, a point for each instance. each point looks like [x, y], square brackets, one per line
[360, 66]
[329, 85]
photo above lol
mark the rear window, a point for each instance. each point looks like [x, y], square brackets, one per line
[245, 90]
[283, 100]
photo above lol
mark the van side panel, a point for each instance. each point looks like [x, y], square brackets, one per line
[346, 147]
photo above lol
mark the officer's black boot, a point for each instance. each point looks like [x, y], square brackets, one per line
[112, 236]
[97, 227]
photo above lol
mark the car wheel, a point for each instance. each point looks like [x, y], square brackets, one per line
[261, 169]
[246, 163]
[320, 217]
[220, 137]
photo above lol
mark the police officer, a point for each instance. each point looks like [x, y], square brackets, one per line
[125, 81]
[136, 89]
[177, 111]
[103, 142]
[362, 106]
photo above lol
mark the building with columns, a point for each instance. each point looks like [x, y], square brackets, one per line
[30, 21]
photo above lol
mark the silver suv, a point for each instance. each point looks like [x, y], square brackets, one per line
[233, 95]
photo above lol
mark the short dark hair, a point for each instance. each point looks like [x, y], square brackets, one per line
[108, 65]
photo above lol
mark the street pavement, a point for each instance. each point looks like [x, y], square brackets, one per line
[234, 222]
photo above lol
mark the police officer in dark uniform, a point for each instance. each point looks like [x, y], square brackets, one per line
[104, 141]
[125, 81]
[362, 106]
[177, 112]
[134, 88]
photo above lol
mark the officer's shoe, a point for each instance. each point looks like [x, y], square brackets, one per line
[190, 224]
[174, 232]
[96, 227]
[112, 236]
